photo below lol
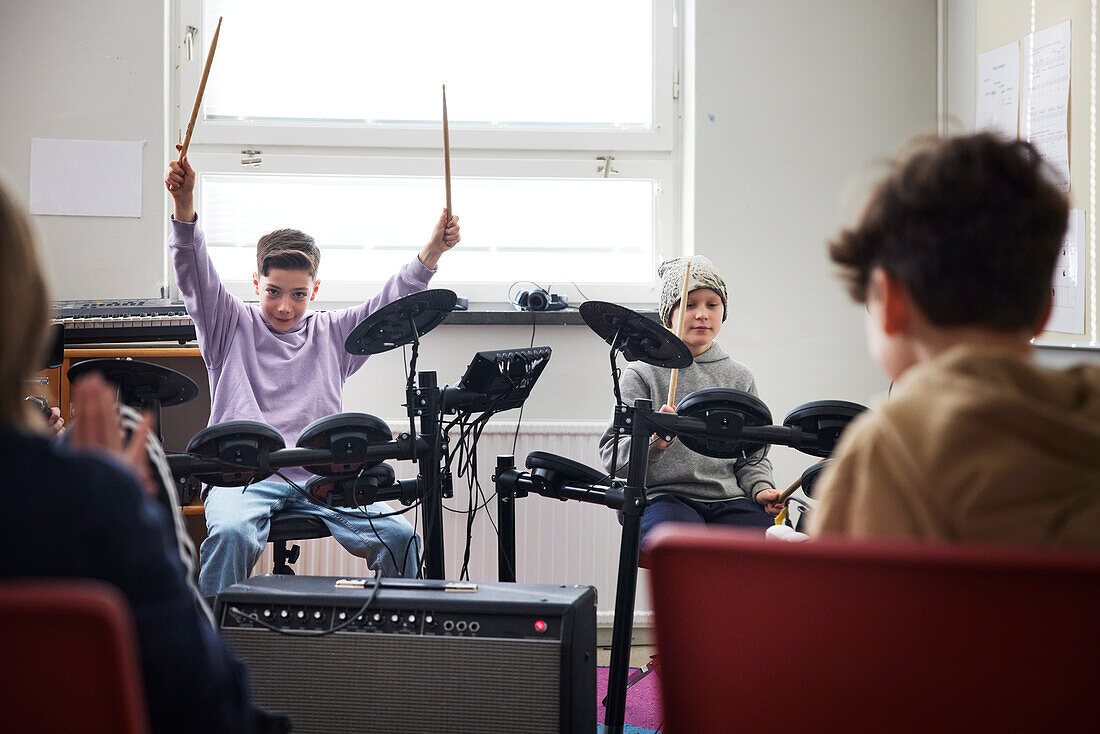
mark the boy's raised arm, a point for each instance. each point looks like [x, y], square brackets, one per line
[445, 236]
[213, 309]
[411, 278]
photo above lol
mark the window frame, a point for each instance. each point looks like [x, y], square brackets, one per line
[415, 149]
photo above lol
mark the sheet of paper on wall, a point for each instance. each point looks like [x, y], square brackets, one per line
[1046, 96]
[1067, 291]
[998, 103]
[89, 178]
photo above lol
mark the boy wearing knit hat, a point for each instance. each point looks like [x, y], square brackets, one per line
[681, 485]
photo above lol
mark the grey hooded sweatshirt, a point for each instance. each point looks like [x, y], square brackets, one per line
[678, 469]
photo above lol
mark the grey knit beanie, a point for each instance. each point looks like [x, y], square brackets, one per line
[703, 275]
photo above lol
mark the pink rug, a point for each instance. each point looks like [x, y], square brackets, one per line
[643, 701]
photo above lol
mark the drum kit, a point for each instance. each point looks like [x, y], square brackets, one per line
[717, 422]
[347, 452]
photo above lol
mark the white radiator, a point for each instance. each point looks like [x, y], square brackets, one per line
[556, 542]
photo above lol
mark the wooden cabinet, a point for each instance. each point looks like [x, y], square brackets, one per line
[178, 423]
[47, 384]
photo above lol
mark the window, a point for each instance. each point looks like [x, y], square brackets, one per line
[326, 117]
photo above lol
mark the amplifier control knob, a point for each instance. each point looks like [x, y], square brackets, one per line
[301, 614]
[428, 619]
[342, 616]
[283, 614]
[394, 618]
[412, 619]
[316, 615]
[267, 612]
[377, 617]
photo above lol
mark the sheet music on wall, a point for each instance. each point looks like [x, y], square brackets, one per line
[1067, 313]
[998, 104]
[1046, 96]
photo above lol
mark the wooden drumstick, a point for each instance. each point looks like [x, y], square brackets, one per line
[202, 88]
[786, 493]
[679, 332]
[446, 155]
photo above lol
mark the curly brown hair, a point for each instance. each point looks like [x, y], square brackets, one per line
[971, 226]
[289, 249]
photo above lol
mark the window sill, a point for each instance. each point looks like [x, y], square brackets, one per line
[488, 314]
[500, 314]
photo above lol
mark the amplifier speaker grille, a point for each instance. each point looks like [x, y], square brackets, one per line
[350, 682]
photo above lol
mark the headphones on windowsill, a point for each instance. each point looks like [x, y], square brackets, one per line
[539, 300]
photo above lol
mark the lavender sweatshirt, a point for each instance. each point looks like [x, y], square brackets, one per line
[285, 379]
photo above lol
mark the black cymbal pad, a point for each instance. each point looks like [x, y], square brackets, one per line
[640, 339]
[401, 322]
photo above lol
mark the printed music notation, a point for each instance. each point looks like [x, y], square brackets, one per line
[1046, 96]
[998, 106]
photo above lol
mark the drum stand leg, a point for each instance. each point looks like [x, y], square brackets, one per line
[634, 502]
[427, 405]
[506, 520]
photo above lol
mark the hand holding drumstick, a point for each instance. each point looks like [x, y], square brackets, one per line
[180, 181]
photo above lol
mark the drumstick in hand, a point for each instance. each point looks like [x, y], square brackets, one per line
[202, 88]
[446, 155]
[786, 494]
[679, 333]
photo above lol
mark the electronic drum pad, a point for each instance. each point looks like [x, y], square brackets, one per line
[707, 404]
[239, 445]
[347, 435]
[640, 339]
[392, 325]
[811, 475]
[824, 419]
[140, 383]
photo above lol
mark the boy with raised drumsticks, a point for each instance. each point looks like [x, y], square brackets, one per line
[280, 364]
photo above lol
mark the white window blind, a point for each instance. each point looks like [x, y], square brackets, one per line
[568, 63]
[367, 227]
[338, 102]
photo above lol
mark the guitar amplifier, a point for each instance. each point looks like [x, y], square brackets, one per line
[422, 656]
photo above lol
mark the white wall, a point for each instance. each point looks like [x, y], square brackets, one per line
[960, 29]
[89, 71]
[792, 100]
[802, 94]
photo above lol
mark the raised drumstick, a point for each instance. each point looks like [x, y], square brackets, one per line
[202, 88]
[446, 155]
[679, 333]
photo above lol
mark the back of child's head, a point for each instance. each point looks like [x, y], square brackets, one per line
[970, 226]
[287, 249]
[24, 302]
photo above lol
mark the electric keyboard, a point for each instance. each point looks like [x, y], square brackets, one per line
[140, 320]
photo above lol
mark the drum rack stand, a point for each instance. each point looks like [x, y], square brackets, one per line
[630, 499]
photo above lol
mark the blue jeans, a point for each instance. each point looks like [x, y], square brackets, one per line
[741, 512]
[237, 524]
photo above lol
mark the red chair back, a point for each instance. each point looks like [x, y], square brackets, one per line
[829, 636]
[69, 659]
